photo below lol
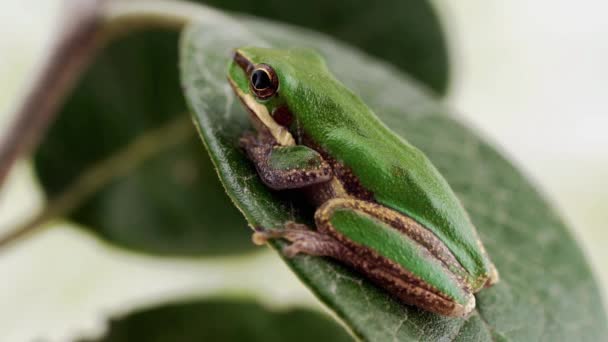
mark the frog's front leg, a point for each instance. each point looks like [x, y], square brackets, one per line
[285, 167]
[388, 247]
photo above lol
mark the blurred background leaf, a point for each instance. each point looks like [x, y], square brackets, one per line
[170, 203]
[223, 320]
[406, 33]
[547, 290]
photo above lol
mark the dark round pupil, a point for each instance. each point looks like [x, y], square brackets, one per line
[260, 79]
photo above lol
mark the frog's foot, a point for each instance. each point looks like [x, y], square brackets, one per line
[263, 235]
[303, 240]
[494, 277]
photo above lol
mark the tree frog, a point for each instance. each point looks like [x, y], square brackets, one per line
[382, 208]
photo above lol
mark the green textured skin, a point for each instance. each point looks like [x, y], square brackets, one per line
[397, 173]
[294, 157]
[391, 244]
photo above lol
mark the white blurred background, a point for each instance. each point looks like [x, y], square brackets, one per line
[529, 74]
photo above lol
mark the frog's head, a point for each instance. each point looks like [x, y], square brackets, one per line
[263, 79]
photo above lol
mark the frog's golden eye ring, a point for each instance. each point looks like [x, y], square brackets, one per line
[263, 81]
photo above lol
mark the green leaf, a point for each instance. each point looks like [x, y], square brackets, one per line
[547, 290]
[406, 33]
[124, 138]
[223, 320]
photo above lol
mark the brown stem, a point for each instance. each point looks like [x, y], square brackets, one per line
[69, 55]
[102, 173]
[89, 25]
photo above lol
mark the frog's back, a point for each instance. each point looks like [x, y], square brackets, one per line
[398, 174]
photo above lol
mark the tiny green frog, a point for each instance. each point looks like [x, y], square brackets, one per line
[382, 208]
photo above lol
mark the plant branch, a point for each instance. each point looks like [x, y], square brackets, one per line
[68, 57]
[89, 25]
[102, 173]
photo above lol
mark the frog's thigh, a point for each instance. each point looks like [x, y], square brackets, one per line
[385, 245]
[366, 228]
[365, 220]
[371, 229]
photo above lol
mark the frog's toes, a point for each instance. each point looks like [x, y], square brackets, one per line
[263, 235]
[309, 242]
[494, 277]
[303, 240]
[298, 232]
[296, 248]
[291, 225]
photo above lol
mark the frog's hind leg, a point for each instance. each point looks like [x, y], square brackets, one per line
[340, 217]
[303, 241]
[337, 223]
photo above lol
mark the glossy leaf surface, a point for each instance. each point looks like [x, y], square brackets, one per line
[547, 290]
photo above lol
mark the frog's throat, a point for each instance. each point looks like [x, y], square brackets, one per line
[280, 133]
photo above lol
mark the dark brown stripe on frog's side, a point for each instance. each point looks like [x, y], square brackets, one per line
[344, 174]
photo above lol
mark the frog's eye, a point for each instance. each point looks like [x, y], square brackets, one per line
[263, 81]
